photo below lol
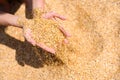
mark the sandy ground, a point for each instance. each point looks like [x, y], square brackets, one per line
[94, 25]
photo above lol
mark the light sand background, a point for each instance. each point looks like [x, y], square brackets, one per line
[95, 29]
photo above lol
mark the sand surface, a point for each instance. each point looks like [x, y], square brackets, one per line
[95, 29]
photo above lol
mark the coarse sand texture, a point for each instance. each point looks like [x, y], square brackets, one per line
[92, 52]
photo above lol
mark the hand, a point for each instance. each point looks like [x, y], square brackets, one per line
[50, 15]
[53, 15]
[27, 35]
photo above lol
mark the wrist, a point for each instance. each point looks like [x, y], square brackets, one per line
[14, 22]
[21, 22]
[8, 19]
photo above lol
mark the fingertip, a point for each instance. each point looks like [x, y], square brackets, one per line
[53, 51]
[50, 50]
[65, 41]
[69, 35]
[45, 16]
[63, 18]
[60, 16]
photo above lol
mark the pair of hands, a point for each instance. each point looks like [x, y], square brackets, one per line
[53, 16]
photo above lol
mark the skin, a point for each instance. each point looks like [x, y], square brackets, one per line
[11, 20]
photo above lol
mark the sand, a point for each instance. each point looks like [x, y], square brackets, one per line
[93, 51]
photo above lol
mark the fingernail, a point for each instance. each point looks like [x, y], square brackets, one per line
[51, 51]
[63, 17]
[65, 41]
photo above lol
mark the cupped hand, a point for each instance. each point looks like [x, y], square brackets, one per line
[50, 15]
[28, 37]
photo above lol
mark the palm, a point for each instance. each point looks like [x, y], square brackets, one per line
[28, 34]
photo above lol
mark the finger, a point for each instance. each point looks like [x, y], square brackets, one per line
[31, 41]
[29, 38]
[43, 46]
[67, 34]
[65, 41]
[52, 15]
[47, 15]
[55, 15]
